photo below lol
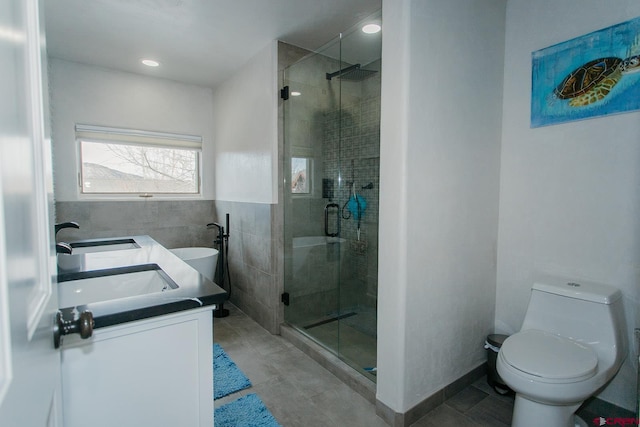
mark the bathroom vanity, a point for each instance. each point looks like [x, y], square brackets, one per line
[149, 360]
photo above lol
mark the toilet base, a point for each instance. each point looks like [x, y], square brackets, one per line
[528, 413]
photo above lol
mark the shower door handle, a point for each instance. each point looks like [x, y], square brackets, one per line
[327, 208]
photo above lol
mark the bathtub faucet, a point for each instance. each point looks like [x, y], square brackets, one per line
[214, 224]
[220, 228]
[222, 242]
[221, 231]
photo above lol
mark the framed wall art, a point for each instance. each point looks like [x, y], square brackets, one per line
[593, 75]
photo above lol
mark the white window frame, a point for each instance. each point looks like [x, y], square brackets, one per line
[112, 135]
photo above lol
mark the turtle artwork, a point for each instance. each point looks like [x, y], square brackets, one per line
[595, 74]
[594, 80]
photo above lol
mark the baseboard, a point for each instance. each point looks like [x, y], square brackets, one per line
[396, 419]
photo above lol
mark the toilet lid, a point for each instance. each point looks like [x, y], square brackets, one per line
[550, 356]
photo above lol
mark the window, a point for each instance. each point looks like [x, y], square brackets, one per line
[300, 175]
[124, 161]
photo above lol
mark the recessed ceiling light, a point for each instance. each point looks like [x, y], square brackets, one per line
[296, 93]
[150, 62]
[371, 28]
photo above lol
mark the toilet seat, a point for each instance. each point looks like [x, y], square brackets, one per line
[549, 357]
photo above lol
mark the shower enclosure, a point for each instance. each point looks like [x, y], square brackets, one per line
[331, 170]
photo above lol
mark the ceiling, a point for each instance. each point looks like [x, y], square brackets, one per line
[196, 41]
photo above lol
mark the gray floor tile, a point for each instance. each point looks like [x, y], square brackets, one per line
[300, 392]
[466, 399]
[295, 388]
[290, 406]
[259, 370]
[492, 412]
[347, 408]
[309, 377]
[445, 416]
[482, 384]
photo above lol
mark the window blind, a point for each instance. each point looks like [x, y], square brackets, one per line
[139, 137]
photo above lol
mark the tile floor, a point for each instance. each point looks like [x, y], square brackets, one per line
[299, 392]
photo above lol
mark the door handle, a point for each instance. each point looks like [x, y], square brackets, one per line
[83, 325]
[326, 219]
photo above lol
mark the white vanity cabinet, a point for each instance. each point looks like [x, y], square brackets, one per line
[153, 372]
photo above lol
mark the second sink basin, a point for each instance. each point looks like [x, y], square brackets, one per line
[103, 246]
[76, 289]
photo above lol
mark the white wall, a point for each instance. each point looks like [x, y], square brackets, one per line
[440, 151]
[569, 193]
[99, 96]
[246, 131]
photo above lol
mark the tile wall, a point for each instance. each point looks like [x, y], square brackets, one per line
[351, 147]
[253, 240]
[252, 260]
[173, 224]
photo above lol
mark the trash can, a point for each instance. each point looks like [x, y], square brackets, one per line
[493, 344]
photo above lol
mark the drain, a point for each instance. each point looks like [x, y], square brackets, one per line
[329, 320]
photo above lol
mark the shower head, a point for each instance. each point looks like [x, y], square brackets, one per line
[352, 73]
[357, 75]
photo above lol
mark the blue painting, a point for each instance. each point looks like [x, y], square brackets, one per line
[593, 75]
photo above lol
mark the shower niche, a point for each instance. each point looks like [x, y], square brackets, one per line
[331, 133]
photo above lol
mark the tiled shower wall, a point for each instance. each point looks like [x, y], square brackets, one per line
[351, 147]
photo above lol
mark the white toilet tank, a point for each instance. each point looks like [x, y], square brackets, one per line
[586, 312]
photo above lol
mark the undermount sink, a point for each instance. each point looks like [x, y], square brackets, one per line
[114, 283]
[103, 246]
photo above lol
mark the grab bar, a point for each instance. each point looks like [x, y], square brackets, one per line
[326, 219]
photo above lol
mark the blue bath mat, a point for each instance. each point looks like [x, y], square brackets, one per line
[227, 377]
[248, 411]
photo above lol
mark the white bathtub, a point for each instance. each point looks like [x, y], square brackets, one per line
[202, 259]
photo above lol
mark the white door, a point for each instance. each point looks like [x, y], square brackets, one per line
[29, 364]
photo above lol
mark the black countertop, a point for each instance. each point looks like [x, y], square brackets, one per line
[193, 290]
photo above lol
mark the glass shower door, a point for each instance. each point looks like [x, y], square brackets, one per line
[331, 170]
[312, 223]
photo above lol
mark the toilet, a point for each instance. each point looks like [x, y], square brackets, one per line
[572, 342]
